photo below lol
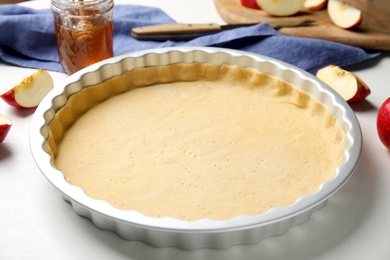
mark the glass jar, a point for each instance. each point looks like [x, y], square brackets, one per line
[84, 32]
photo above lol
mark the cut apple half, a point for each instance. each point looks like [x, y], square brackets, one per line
[29, 92]
[5, 126]
[315, 5]
[281, 7]
[344, 82]
[344, 15]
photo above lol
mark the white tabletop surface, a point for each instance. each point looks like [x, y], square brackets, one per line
[35, 223]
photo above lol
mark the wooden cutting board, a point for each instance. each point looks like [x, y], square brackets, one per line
[373, 33]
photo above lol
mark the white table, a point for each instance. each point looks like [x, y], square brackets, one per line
[35, 223]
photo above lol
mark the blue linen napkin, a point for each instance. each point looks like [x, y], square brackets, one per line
[27, 39]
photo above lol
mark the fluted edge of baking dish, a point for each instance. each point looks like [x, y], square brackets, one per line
[204, 233]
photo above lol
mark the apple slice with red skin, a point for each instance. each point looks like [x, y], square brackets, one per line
[250, 4]
[315, 5]
[5, 126]
[344, 15]
[281, 7]
[29, 92]
[383, 123]
[346, 83]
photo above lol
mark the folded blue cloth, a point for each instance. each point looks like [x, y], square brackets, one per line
[27, 39]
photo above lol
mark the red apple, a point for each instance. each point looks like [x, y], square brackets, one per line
[346, 83]
[250, 4]
[383, 123]
[281, 7]
[29, 92]
[315, 5]
[5, 126]
[344, 15]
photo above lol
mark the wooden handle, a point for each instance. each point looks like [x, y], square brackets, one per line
[177, 28]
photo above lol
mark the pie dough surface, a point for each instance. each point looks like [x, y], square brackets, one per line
[230, 142]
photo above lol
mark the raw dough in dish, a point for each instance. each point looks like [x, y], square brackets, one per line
[196, 141]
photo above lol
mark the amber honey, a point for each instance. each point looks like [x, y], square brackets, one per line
[84, 35]
[77, 51]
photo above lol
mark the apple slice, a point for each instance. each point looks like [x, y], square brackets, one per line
[346, 83]
[383, 123]
[281, 7]
[315, 5]
[30, 92]
[344, 15]
[250, 4]
[5, 126]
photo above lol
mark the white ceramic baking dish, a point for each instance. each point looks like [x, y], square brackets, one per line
[204, 233]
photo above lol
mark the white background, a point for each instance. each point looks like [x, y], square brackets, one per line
[35, 223]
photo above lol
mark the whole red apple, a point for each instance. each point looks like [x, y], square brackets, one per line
[383, 123]
[250, 4]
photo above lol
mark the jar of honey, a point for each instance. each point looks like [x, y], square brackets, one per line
[84, 32]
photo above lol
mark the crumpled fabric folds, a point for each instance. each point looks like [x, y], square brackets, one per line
[27, 39]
